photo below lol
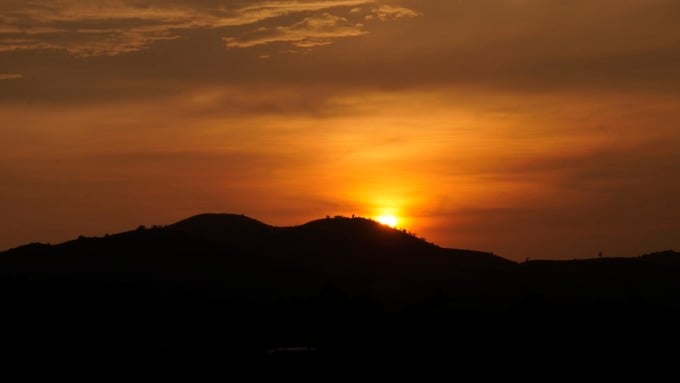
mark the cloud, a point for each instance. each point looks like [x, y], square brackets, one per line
[502, 44]
[390, 12]
[267, 10]
[10, 76]
[109, 28]
[312, 31]
[87, 29]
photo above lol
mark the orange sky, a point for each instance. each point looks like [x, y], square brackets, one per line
[530, 128]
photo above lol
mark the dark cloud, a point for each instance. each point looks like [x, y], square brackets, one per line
[173, 46]
[116, 27]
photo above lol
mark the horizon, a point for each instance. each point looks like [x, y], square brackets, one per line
[375, 220]
[526, 128]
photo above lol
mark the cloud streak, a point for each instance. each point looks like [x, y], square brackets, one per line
[10, 76]
[390, 12]
[109, 28]
[312, 31]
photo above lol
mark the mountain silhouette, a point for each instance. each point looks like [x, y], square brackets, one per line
[347, 295]
[238, 253]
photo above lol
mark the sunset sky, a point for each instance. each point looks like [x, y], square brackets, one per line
[529, 128]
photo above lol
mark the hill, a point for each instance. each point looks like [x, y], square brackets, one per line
[340, 294]
[229, 253]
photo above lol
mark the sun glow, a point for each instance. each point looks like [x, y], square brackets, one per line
[388, 220]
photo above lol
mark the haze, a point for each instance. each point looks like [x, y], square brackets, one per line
[530, 128]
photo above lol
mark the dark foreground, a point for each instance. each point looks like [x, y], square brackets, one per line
[337, 299]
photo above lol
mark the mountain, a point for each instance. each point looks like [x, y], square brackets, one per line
[229, 253]
[226, 295]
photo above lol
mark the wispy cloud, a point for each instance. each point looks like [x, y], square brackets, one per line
[391, 12]
[98, 28]
[312, 31]
[10, 76]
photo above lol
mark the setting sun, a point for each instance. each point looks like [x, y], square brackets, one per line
[388, 220]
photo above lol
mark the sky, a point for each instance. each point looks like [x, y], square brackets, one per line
[530, 128]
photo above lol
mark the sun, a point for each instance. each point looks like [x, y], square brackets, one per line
[388, 220]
